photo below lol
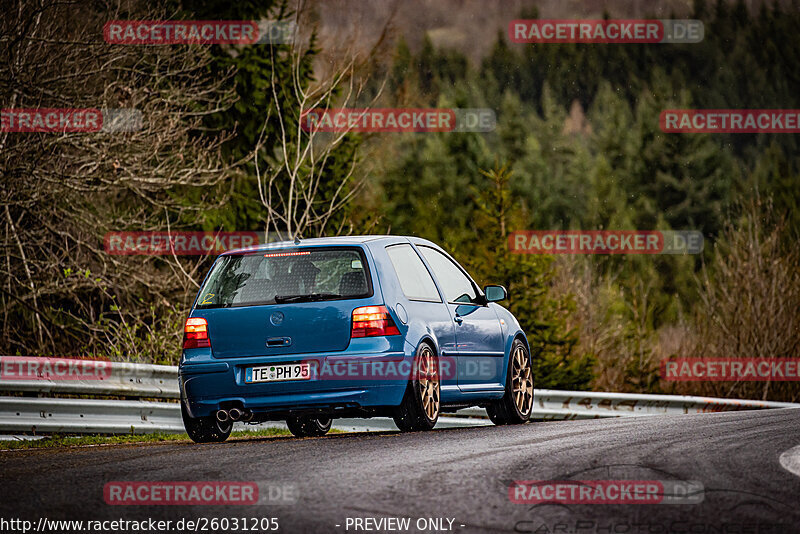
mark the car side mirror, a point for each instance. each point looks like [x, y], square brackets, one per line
[495, 293]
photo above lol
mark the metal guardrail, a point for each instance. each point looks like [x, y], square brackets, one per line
[558, 405]
[123, 380]
[92, 416]
[48, 415]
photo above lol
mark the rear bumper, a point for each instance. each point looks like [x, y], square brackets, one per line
[208, 385]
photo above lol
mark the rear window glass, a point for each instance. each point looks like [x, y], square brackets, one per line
[287, 276]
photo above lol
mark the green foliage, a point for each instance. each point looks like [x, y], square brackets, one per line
[578, 125]
[266, 78]
[557, 362]
[146, 334]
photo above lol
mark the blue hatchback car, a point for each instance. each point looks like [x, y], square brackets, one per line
[312, 330]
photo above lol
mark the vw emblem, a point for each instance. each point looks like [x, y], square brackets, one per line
[276, 318]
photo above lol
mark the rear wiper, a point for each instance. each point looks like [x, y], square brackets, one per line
[280, 299]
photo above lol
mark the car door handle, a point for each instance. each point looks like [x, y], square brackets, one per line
[458, 319]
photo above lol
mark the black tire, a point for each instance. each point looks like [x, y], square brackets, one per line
[421, 403]
[205, 429]
[519, 390]
[304, 427]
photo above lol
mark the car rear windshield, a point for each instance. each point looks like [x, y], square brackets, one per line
[285, 277]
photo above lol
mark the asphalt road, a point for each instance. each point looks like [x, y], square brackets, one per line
[375, 424]
[461, 475]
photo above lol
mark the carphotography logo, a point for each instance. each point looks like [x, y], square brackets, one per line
[52, 369]
[744, 514]
[730, 121]
[540, 523]
[178, 243]
[606, 498]
[170, 32]
[606, 492]
[731, 369]
[396, 120]
[621, 31]
[605, 242]
[70, 120]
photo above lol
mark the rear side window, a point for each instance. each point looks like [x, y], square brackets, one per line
[415, 280]
[287, 276]
[456, 286]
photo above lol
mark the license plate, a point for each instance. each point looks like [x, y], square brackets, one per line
[278, 373]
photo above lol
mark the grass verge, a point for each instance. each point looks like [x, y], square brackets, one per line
[60, 441]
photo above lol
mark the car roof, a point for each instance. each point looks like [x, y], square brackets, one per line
[329, 241]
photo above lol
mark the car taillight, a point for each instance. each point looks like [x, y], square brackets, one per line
[371, 321]
[195, 333]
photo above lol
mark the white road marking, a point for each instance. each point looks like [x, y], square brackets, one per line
[790, 460]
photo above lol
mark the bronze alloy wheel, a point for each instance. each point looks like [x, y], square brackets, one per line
[522, 381]
[428, 382]
[516, 405]
[419, 409]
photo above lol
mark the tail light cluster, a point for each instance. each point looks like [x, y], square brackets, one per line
[195, 333]
[371, 321]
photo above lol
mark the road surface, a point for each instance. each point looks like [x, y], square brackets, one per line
[459, 477]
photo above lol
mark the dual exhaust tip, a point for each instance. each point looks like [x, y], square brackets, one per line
[234, 414]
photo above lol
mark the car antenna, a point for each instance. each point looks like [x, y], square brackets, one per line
[297, 239]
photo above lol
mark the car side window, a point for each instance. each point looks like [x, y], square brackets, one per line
[456, 286]
[415, 280]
